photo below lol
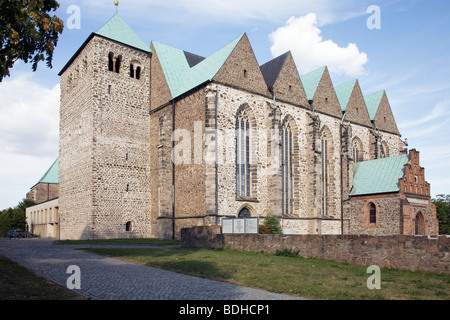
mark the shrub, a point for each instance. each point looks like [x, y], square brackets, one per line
[271, 222]
[287, 253]
[264, 230]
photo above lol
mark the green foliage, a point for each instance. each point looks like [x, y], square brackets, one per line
[14, 218]
[287, 253]
[27, 32]
[442, 203]
[272, 223]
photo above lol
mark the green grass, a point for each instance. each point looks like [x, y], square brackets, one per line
[290, 275]
[18, 283]
[118, 242]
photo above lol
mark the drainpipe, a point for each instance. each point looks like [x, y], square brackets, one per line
[173, 172]
[342, 181]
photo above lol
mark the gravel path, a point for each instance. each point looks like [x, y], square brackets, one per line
[104, 278]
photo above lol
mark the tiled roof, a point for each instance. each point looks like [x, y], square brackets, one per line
[271, 70]
[344, 92]
[116, 29]
[311, 80]
[378, 176]
[52, 174]
[180, 76]
[373, 102]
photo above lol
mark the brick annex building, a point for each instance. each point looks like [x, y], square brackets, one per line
[248, 140]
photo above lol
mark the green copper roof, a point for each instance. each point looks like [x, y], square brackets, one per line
[311, 80]
[180, 77]
[378, 176]
[373, 102]
[52, 174]
[116, 29]
[344, 92]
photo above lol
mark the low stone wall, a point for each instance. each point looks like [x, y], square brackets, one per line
[417, 253]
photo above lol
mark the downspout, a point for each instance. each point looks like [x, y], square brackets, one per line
[342, 180]
[173, 172]
[216, 165]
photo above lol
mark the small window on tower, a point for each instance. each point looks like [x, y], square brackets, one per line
[128, 226]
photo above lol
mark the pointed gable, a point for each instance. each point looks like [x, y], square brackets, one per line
[380, 112]
[116, 29]
[184, 72]
[353, 104]
[241, 69]
[319, 88]
[283, 80]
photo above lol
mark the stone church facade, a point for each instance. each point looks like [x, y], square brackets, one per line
[156, 139]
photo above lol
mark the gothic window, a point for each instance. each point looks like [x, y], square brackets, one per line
[384, 150]
[419, 225]
[244, 213]
[357, 150]
[372, 213]
[287, 169]
[242, 155]
[325, 143]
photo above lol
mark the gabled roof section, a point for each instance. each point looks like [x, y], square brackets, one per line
[271, 70]
[180, 76]
[379, 176]
[116, 29]
[311, 81]
[52, 174]
[344, 92]
[373, 102]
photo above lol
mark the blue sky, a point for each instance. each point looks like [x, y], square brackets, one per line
[409, 57]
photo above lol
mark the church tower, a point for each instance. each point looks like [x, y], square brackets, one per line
[105, 137]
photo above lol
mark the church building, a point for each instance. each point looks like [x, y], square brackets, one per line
[154, 139]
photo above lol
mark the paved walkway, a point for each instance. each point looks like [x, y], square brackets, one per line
[104, 278]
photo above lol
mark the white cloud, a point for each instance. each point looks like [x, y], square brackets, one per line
[29, 114]
[441, 110]
[303, 38]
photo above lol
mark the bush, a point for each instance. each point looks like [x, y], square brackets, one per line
[264, 230]
[272, 223]
[287, 253]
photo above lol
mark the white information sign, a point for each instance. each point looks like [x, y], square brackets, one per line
[240, 226]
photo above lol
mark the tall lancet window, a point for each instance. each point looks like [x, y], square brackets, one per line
[327, 147]
[287, 166]
[242, 155]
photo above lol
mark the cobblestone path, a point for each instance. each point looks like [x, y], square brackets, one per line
[104, 278]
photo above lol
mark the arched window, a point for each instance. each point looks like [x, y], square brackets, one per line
[244, 213]
[372, 213]
[131, 71]
[128, 226]
[384, 150]
[357, 150]
[111, 61]
[138, 73]
[419, 224]
[327, 149]
[287, 169]
[242, 155]
[117, 64]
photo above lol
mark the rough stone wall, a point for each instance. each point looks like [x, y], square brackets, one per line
[105, 140]
[76, 152]
[388, 215]
[416, 253]
[43, 192]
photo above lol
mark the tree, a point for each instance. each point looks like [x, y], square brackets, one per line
[272, 223]
[442, 203]
[14, 218]
[27, 32]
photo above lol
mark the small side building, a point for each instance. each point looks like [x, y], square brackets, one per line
[390, 196]
[43, 218]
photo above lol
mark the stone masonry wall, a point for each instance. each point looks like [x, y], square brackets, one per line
[416, 253]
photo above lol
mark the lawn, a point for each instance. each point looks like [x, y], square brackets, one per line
[311, 278]
[18, 283]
